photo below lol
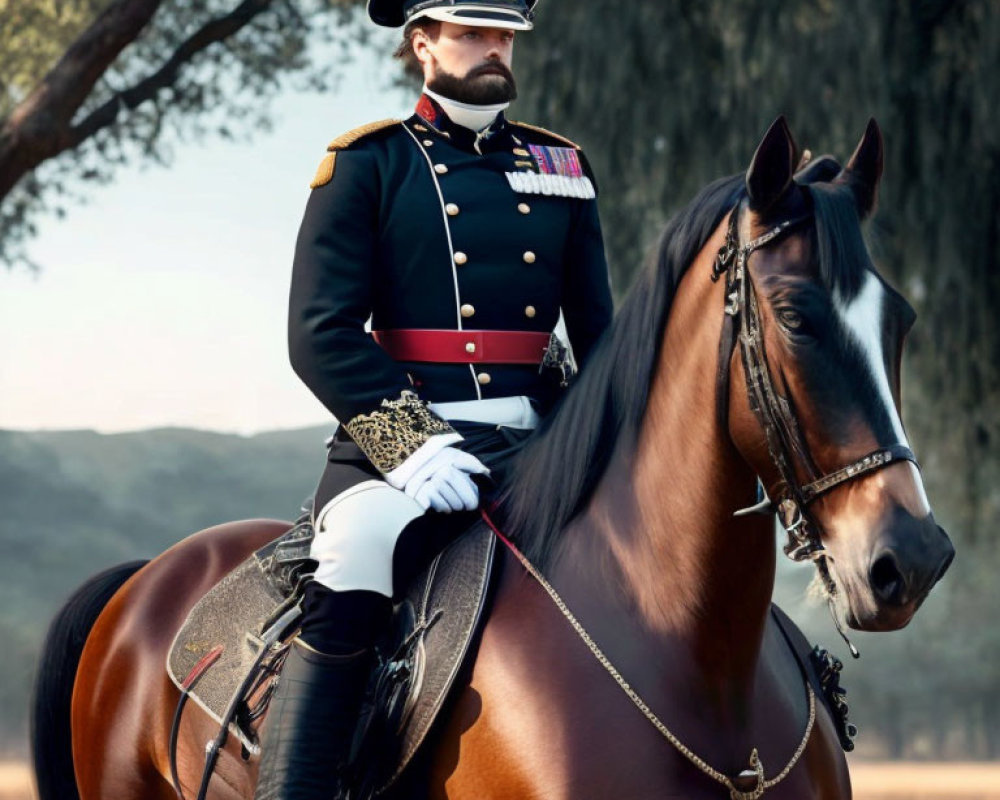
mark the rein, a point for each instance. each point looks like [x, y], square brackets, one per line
[749, 784]
[787, 447]
[785, 441]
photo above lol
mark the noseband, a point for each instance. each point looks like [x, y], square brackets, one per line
[785, 442]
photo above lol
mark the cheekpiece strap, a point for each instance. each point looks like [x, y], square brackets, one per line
[785, 441]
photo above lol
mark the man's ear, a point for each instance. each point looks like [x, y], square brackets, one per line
[419, 41]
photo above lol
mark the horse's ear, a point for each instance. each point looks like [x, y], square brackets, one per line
[821, 169]
[770, 172]
[864, 169]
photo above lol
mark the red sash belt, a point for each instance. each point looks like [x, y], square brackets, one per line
[464, 347]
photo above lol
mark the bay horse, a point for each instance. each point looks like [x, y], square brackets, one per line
[639, 660]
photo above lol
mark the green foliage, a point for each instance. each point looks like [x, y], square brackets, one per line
[35, 33]
[223, 90]
[666, 95]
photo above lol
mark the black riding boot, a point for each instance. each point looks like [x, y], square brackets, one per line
[310, 724]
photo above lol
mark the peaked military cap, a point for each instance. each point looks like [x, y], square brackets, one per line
[516, 15]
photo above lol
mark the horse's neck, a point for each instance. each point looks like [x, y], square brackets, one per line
[658, 542]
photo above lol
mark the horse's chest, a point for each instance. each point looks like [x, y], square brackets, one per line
[542, 719]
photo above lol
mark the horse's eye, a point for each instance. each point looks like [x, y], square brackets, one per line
[792, 320]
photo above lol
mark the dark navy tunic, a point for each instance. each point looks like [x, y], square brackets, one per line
[421, 227]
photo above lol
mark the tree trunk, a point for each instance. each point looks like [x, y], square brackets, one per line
[40, 126]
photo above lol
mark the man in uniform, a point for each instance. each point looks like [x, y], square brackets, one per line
[462, 236]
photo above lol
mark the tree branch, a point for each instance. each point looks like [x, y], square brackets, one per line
[216, 30]
[34, 129]
[40, 127]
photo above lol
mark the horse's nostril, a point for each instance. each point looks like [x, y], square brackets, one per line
[887, 580]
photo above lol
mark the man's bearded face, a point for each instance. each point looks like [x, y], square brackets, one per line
[488, 83]
[469, 64]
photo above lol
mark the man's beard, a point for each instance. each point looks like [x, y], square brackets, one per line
[474, 89]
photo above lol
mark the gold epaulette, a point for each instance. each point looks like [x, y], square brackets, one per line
[329, 163]
[538, 129]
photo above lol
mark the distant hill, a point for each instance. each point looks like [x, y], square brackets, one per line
[75, 502]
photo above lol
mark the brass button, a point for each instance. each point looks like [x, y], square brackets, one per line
[440, 169]
[468, 311]
[483, 378]
[530, 312]
[461, 258]
[428, 142]
[520, 151]
[524, 208]
[452, 210]
[470, 347]
[529, 257]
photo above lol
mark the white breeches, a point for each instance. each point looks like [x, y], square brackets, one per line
[356, 534]
[356, 531]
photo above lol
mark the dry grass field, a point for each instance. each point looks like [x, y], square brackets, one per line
[909, 781]
[871, 782]
[15, 783]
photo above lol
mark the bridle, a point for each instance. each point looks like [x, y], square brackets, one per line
[785, 442]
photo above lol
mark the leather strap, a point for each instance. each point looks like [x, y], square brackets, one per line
[882, 457]
[801, 649]
[785, 441]
[464, 347]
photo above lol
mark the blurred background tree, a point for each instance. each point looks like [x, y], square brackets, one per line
[668, 94]
[665, 95]
[89, 86]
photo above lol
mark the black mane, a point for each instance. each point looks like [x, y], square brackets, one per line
[556, 471]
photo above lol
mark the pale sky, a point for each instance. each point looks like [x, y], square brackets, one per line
[163, 301]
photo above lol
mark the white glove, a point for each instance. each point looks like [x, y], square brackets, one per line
[444, 482]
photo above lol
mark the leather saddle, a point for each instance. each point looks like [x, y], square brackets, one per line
[229, 652]
[434, 633]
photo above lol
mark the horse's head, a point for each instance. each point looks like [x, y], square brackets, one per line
[815, 389]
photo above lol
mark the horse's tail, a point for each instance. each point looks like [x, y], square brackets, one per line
[51, 748]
